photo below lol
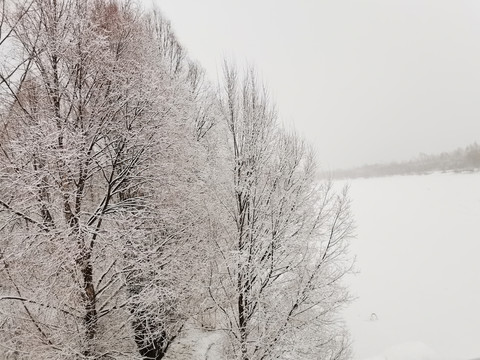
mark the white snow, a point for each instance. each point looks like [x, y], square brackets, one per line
[408, 351]
[418, 249]
[195, 343]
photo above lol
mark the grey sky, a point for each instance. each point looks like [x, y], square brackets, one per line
[365, 81]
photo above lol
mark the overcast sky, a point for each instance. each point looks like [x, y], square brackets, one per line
[364, 81]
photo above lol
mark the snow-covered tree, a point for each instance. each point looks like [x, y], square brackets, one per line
[98, 177]
[277, 280]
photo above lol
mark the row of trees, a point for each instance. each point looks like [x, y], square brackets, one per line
[135, 199]
[461, 159]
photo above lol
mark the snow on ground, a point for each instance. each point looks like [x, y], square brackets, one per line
[408, 351]
[417, 252]
[195, 343]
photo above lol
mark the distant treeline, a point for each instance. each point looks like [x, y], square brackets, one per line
[461, 159]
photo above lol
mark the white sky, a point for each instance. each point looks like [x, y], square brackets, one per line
[364, 81]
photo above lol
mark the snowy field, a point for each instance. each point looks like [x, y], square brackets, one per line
[418, 249]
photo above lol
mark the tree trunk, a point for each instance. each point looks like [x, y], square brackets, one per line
[150, 347]
[90, 318]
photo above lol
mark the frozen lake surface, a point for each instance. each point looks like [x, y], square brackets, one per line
[418, 249]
